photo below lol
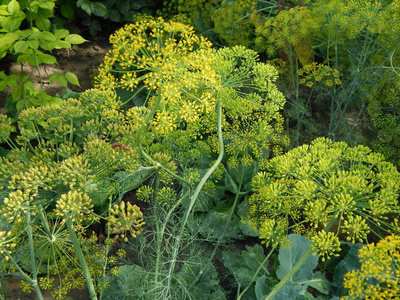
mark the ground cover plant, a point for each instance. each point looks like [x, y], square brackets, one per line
[184, 174]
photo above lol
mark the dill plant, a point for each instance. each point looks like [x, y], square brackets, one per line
[60, 174]
[208, 111]
[328, 192]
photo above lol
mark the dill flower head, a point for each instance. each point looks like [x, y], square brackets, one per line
[6, 128]
[379, 275]
[77, 206]
[316, 186]
[124, 218]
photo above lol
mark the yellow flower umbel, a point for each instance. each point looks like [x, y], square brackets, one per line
[326, 190]
[124, 218]
[379, 276]
[77, 206]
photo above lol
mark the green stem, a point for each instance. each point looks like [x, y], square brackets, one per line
[82, 260]
[106, 251]
[196, 194]
[256, 273]
[35, 56]
[33, 281]
[297, 266]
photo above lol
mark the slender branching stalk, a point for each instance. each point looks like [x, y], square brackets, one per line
[193, 198]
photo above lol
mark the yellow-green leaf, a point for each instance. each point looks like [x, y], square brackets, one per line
[71, 77]
[75, 39]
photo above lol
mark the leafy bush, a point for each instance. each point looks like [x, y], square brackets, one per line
[29, 44]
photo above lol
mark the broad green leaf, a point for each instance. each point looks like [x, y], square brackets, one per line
[46, 36]
[320, 283]
[60, 78]
[47, 45]
[34, 44]
[288, 257]
[199, 277]
[16, 94]
[75, 39]
[3, 85]
[220, 223]
[46, 58]
[48, 5]
[20, 105]
[21, 46]
[110, 3]
[98, 9]
[131, 180]
[50, 100]
[292, 291]
[94, 28]
[85, 5]
[62, 45]
[349, 263]
[4, 10]
[244, 266]
[71, 77]
[13, 7]
[42, 23]
[9, 38]
[61, 33]
[262, 290]
[13, 23]
[123, 7]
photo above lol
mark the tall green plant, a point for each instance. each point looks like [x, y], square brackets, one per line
[201, 105]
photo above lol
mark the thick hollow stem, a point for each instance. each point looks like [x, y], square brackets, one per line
[33, 281]
[82, 260]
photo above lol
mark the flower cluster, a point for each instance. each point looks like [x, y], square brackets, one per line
[290, 33]
[315, 73]
[124, 218]
[77, 206]
[231, 22]
[379, 276]
[323, 186]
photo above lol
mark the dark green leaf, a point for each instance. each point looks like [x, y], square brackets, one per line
[320, 283]
[244, 266]
[115, 15]
[94, 28]
[98, 9]
[123, 7]
[68, 10]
